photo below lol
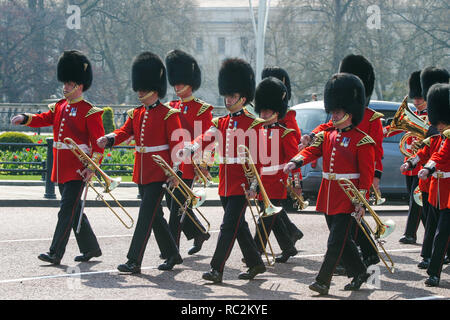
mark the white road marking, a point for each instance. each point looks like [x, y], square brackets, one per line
[143, 268]
[430, 298]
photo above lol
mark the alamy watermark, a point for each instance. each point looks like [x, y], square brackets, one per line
[74, 278]
[374, 20]
[74, 20]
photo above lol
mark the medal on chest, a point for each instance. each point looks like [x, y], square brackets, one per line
[73, 112]
[345, 142]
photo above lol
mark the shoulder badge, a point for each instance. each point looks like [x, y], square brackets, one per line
[256, 122]
[446, 133]
[171, 112]
[93, 110]
[375, 115]
[205, 106]
[215, 122]
[318, 139]
[427, 141]
[365, 140]
[52, 107]
[286, 132]
[130, 113]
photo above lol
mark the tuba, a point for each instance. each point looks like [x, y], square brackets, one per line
[193, 199]
[406, 120]
[108, 184]
[382, 230]
[299, 202]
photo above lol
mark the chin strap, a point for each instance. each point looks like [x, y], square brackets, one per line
[344, 118]
[148, 95]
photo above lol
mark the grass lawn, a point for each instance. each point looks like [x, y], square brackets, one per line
[37, 178]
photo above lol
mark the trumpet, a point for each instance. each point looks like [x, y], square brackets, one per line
[382, 230]
[193, 199]
[405, 119]
[269, 209]
[108, 184]
[299, 202]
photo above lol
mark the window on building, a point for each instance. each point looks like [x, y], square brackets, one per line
[199, 44]
[221, 45]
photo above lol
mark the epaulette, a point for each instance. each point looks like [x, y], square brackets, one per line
[256, 120]
[318, 139]
[171, 112]
[52, 107]
[375, 115]
[93, 109]
[130, 113]
[365, 140]
[446, 133]
[215, 122]
[205, 106]
[286, 132]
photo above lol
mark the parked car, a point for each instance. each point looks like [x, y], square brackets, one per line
[392, 184]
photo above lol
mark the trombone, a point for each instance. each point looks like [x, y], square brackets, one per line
[193, 199]
[376, 199]
[108, 185]
[299, 202]
[269, 209]
[382, 230]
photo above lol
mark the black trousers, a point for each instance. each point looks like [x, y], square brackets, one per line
[187, 225]
[415, 213]
[340, 246]
[362, 241]
[430, 227]
[234, 227]
[151, 218]
[68, 217]
[441, 241]
[290, 226]
[277, 224]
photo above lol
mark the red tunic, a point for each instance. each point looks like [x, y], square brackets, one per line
[289, 121]
[346, 154]
[228, 132]
[370, 124]
[80, 121]
[195, 116]
[152, 129]
[440, 180]
[280, 146]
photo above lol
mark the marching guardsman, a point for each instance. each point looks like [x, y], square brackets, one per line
[152, 125]
[429, 76]
[439, 168]
[415, 212]
[271, 103]
[370, 124]
[290, 122]
[237, 85]
[347, 152]
[79, 120]
[184, 75]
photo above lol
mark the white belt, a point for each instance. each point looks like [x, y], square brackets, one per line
[272, 168]
[142, 149]
[230, 160]
[62, 146]
[336, 176]
[441, 175]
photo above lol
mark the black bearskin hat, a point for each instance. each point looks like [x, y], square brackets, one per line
[438, 104]
[237, 76]
[280, 74]
[362, 68]
[75, 66]
[415, 89]
[345, 91]
[182, 68]
[271, 94]
[149, 74]
[430, 76]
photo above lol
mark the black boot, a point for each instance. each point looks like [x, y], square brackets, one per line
[357, 282]
[198, 243]
[424, 263]
[213, 275]
[50, 257]
[252, 272]
[88, 255]
[171, 262]
[285, 255]
[432, 281]
[320, 288]
[129, 267]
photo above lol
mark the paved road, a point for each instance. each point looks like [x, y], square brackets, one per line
[26, 232]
